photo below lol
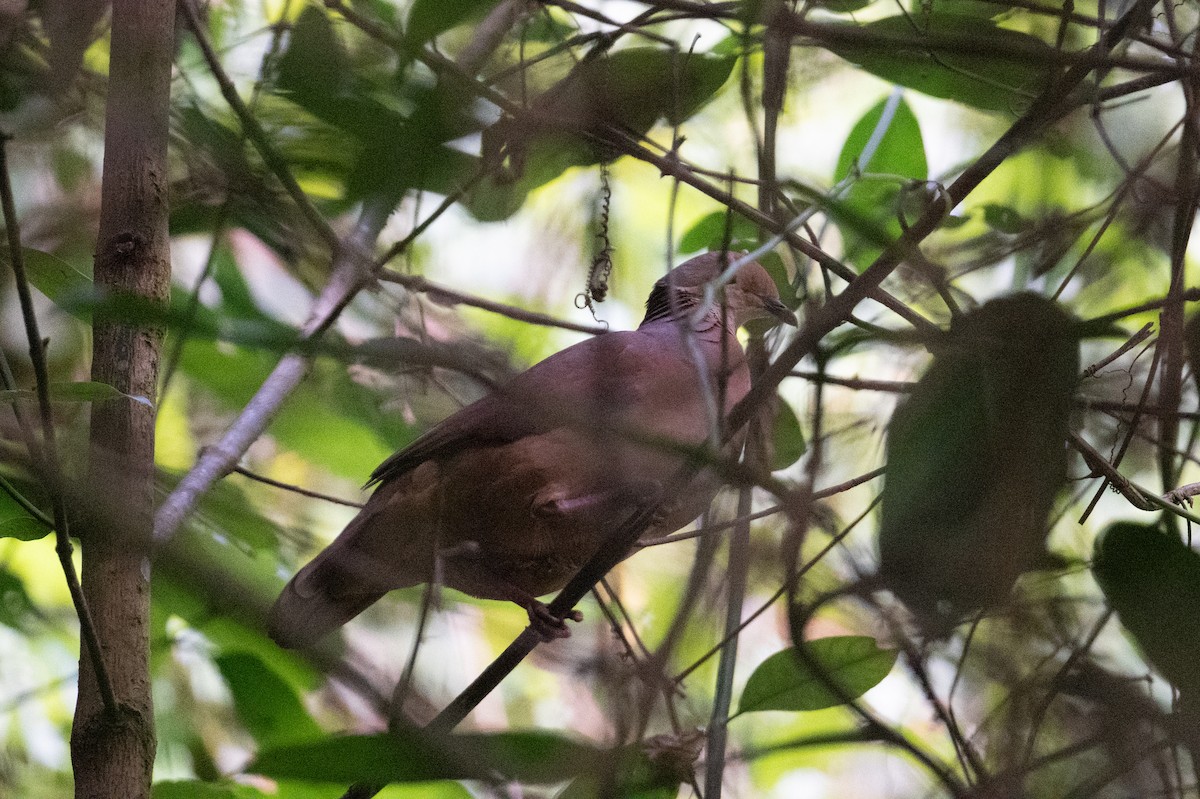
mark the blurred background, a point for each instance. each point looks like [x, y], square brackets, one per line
[404, 124]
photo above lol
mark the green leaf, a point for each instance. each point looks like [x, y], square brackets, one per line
[1005, 219]
[708, 233]
[785, 681]
[868, 213]
[414, 756]
[84, 391]
[23, 528]
[50, 275]
[197, 789]
[954, 56]
[1152, 581]
[16, 608]
[843, 6]
[631, 88]
[787, 436]
[428, 18]
[265, 703]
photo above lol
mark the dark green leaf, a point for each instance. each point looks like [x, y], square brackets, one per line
[843, 6]
[787, 436]
[954, 56]
[785, 681]
[985, 422]
[1004, 219]
[631, 89]
[1152, 580]
[23, 528]
[72, 392]
[428, 18]
[16, 608]
[265, 703]
[413, 756]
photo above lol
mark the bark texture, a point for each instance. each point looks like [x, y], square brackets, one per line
[113, 754]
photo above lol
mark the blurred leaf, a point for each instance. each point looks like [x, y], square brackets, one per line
[428, 18]
[631, 89]
[784, 681]
[16, 608]
[708, 233]
[959, 68]
[546, 26]
[1005, 219]
[985, 422]
[1191, 343]
[85, 391]
[409, 756]
[1152, 581]
[315, 71]
[51, 275]
[70, 25]
[266, 704]
[651, 769]
[197, 789]
[843, 6]
[787, 435]
[870, 207]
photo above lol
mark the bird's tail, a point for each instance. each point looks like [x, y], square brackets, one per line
[323, 596]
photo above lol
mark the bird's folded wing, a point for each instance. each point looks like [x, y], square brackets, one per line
[550, 394]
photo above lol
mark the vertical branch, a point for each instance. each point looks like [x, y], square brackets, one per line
[114, 755]
[45, 455]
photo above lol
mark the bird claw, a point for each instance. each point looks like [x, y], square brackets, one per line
[548, 626]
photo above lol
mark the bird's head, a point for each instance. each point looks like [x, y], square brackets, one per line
[750, 295]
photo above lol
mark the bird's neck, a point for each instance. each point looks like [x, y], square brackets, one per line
[681, 307]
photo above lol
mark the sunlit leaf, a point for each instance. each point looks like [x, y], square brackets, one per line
[785, 681]
[871, 207]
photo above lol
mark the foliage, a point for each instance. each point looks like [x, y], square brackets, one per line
[468, 160]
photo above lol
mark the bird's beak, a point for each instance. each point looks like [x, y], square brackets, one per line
[780, 311]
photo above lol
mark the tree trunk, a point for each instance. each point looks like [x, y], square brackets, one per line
[113, 754]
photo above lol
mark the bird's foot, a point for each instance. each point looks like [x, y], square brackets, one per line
[548, 626]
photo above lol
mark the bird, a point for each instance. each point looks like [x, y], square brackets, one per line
[508, 497]
[975, 459]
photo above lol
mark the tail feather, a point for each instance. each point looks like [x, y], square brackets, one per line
[322, 596]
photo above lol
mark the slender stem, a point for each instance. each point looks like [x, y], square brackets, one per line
[48, 457]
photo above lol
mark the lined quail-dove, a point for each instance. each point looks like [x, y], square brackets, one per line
[515, 492]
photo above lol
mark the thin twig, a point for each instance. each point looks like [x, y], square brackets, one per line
[253, 131]
[295, 489]
[443, 295]
[47, 459]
